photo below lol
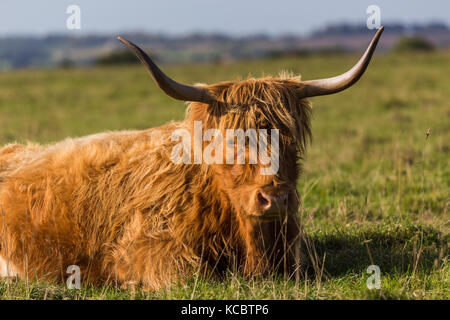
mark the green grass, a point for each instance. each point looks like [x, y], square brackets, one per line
[374, 189]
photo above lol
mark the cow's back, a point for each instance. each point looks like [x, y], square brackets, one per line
[70, 203]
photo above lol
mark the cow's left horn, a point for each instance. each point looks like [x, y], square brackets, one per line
[332, 85]
[170, 87]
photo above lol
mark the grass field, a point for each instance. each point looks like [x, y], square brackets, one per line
[374, 189]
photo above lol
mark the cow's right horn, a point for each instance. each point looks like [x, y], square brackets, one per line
[170, 87]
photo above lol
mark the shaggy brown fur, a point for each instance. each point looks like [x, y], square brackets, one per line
[118, 207]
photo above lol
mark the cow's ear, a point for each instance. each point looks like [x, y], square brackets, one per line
[172, 88]
[321, 87]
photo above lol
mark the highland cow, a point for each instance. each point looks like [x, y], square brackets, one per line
[117, 206]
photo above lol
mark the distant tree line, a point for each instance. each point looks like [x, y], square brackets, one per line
[414, 43]
[117, 57]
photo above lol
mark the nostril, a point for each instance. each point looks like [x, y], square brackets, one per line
[285, 202]
[263, 201]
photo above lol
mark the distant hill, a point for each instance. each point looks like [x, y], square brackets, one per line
[63, 50]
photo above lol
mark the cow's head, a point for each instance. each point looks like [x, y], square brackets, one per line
[266, 103]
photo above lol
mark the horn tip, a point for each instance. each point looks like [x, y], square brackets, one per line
[123, 40]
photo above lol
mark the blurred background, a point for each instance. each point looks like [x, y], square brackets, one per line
[34, 34]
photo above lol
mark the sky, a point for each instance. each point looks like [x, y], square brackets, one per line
[235, 17]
